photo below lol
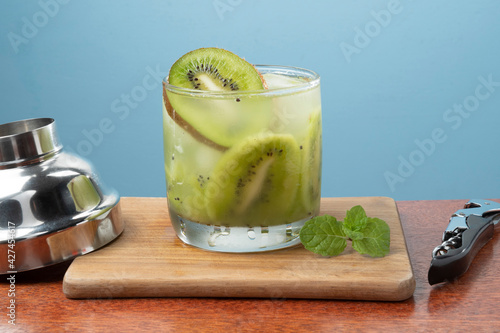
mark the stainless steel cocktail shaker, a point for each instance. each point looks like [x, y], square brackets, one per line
[53, 205]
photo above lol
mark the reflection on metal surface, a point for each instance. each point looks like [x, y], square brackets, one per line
[85, 237]
[52, 203]
[84, 194]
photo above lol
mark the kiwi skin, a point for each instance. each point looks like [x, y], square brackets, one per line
[254, 183]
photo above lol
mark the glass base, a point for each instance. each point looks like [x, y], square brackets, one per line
[237, 239]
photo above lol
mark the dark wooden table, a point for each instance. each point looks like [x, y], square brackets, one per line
[471, 303]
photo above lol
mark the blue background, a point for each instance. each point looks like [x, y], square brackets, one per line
[388, 83]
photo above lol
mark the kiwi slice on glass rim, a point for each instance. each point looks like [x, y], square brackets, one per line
[217, 122]
[214, 69]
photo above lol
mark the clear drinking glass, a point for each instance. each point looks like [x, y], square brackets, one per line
[243, 168]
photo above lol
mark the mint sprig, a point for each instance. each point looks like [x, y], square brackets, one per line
[326, 236]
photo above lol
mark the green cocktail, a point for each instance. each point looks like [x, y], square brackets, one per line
[243, 167]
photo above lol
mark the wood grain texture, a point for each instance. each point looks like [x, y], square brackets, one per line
[468, 304]
[149, 261]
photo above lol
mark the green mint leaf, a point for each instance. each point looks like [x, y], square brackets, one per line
[355, 219]
[353, 234]
[376, 241]
[355, 222]
[323, 235]
[326, 236]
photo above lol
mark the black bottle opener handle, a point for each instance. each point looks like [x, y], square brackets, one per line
[448, 263]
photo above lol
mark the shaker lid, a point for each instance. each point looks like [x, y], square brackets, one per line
[53, 206]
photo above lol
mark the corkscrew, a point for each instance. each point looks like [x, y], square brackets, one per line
[469, 230]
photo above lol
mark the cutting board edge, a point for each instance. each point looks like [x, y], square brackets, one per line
[404, 290]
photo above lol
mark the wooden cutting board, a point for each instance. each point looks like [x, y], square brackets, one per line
[148, 260]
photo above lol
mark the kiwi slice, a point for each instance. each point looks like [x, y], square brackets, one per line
[311, 164]
[187, 126]
[215, 70]
[218, 122]
[307, 200]
[255, 182]
[186, 198]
